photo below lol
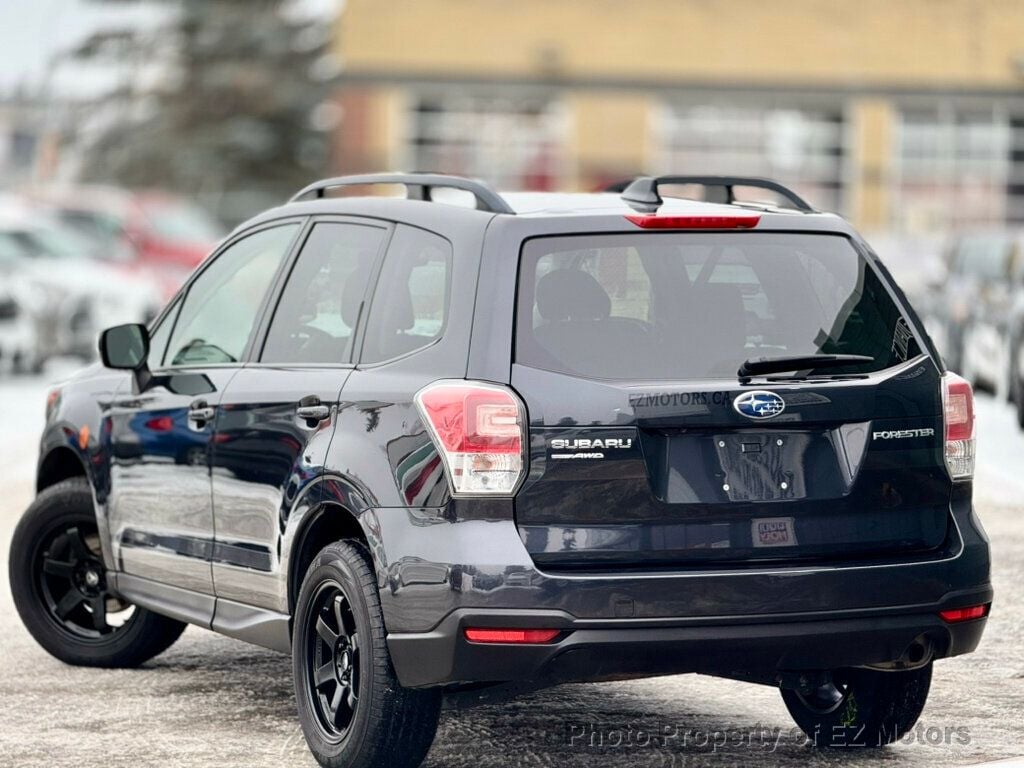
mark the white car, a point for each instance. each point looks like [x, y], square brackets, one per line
[20, 347]
[74, 296]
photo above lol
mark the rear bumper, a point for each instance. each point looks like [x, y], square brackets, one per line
[441, 571]
[757, 647]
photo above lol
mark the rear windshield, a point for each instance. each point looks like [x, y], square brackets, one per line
[697, 305]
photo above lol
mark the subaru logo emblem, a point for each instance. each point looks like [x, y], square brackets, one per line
[759, 404]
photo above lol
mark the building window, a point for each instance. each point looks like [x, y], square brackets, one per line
[513, 143]
[958, 168]
[801, 148]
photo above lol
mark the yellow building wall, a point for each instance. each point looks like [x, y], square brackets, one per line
[856, 48]
[948, 42]
[872, 123]
[609, 133]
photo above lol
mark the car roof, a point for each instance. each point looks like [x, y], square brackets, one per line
[575, 209]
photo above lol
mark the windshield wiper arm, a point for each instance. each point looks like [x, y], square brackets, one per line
[762, 365]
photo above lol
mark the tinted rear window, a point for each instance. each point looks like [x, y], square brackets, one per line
[697, 305]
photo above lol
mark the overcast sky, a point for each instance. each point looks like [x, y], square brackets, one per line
[32, 31]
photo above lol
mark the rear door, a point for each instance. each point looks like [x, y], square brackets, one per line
[277, 416]
[648, 450]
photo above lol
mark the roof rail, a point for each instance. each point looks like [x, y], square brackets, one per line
[418, 187]
[642, 192]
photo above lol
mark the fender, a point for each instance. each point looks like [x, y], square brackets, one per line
[329, 508]
[78, 429]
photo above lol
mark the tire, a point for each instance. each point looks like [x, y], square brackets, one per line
[54, 561]
[873, 708]
[339, 630]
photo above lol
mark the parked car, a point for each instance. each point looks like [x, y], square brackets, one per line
[1015, 368]
[79, 296]
[162, 235]
[470, 451]
[21, 319]
[973, 307]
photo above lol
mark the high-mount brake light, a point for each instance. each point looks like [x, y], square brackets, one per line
[956, 615]
[515, 636]
[480, 431]
[958, 416]
[653, 221]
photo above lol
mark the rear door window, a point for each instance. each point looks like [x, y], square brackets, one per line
[696, 306]
[316, 317]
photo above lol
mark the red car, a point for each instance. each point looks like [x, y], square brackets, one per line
[159, 233]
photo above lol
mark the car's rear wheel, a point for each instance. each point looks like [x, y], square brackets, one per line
[353, 711]
[860, 707]
[61, 590]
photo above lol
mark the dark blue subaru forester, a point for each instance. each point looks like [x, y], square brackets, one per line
[464, 444]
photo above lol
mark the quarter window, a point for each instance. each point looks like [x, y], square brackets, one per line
[410, 303]
[220, 309]
[316, 317]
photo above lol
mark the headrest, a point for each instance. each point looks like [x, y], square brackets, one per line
[572, 294]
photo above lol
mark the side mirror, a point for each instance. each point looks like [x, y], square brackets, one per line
[126, 348]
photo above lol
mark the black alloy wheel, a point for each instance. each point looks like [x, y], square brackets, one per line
[827, 698]
[353, 710]
[63, 592]
[73, 584]
[333, 661]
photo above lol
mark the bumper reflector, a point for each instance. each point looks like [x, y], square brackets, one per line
[956, 615]
[517, 636]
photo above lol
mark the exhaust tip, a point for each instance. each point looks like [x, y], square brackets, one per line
[917, 652]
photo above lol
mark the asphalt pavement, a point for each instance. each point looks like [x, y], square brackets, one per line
[212, 701]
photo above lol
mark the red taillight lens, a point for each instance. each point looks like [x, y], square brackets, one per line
[958, 410]
[479, 430]
[519, 636]
[160, 424]
[653, 221]
[956, 615]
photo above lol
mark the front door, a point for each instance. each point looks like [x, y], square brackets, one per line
[161, 517]
[277, 417]
[160, 508]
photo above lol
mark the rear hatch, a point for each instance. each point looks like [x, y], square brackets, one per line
[648, 450]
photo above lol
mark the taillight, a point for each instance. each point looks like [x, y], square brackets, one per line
[480, 431]
[514, 636]
[958, 409]
[956, 615]
[653, 221]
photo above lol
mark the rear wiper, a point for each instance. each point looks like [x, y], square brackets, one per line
[762, 365]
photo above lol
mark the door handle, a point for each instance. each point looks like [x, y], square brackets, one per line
[200, 412]
[312, 410]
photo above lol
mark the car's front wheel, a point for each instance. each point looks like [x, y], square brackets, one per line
[61, 592]
[353, 711]
[860, 707]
